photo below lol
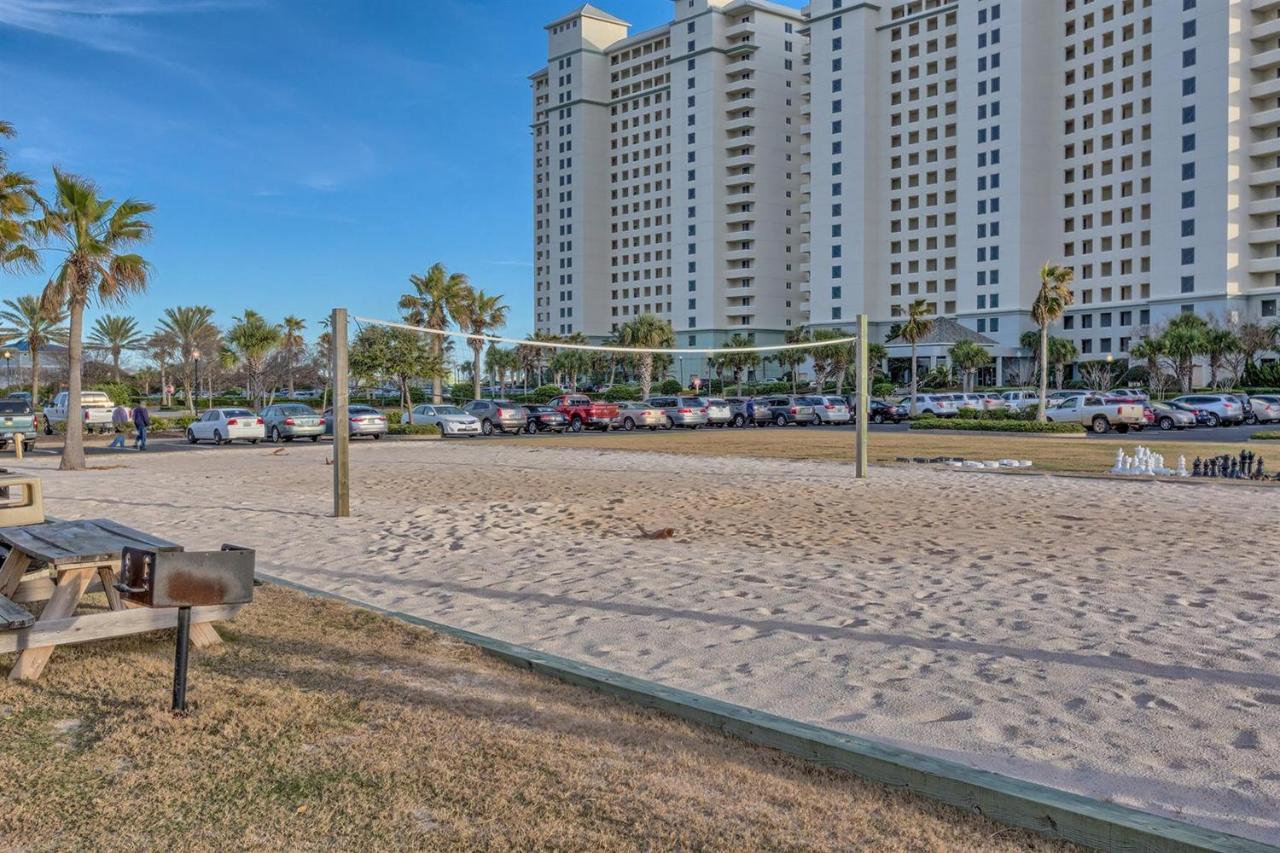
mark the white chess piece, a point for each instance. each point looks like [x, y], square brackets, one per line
[1182, 467]
[1119, 466]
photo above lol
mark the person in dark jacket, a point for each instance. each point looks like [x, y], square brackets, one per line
[141, 422]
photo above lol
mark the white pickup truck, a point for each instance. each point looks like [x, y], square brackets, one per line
[1096, 414]
[96, 408]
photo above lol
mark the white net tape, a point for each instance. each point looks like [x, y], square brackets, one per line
[608, 347]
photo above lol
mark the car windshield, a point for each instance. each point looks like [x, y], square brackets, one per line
[448, 410]
[691, 401]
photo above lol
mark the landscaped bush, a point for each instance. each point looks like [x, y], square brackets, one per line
[1004, 425]
[619, 393]
[412, 429]
[1028, 414]
[882, 389]
[1265, 436]
[394, 416]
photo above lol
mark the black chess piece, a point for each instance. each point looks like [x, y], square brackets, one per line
[1197, 468]
[1235, 469]
[1248, 465]
[1225, 467]
[1213, 466]
[1259, 472]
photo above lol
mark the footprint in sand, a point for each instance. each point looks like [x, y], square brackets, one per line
[1247, 739]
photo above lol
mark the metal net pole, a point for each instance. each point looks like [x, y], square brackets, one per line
[863, 400]
[341, 417]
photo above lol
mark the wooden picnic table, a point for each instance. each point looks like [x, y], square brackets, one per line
[73, 556]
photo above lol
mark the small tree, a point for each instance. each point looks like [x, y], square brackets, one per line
[968, 358]
[913, 331]
[478, 313]
[650, 332]
[116, 333]
[1054, 298]
[379, 353]
[26, 321]
[250, 340]
[1182, 342]
[740, 362]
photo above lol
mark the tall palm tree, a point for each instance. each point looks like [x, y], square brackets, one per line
[433, 302]
[1061, 353]
[648, 331]
[93, 233]
[18, 199]
[1182, 342]
[190, 327]
[739, 362]
[1218, 344]
[292, 344]
[913, 331]
[789, 359]
[116, 333]
[1148, 351]
[160, 348]
[478, 313]
[968, 358]
[26, 320]
[1054, 298]
[249, 341]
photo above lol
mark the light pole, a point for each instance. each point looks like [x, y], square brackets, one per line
[195, 392]
[8, 373]
[680, 358]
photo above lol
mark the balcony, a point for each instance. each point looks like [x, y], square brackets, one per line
[1265, 30]
[1261, 266]
[1265, 5]
[740, 180]
[747, 232]
[736, 87]
[1266, 59]
[735, 102]
[737, 161]
[740, 254]
[806, 149]
[1264, 206]
[746, 122]
[1265, 89]
[747, 194]
[1266, 118]
[740, 216]
[806, 208]
[1265, 148]
[737, 274]
[1264, 236]
[1265, 178]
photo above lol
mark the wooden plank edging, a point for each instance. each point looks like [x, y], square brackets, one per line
[1048, 811]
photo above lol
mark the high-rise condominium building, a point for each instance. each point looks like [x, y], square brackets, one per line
[752, 168]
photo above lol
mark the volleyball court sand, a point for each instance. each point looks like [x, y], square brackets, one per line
[1114, 639]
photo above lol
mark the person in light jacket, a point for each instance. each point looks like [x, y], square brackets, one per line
[120, 420]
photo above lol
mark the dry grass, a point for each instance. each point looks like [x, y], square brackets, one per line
[1069, 454]
[319, 725]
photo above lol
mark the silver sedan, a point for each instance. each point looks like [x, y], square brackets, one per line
[632, 414]
[450, 420]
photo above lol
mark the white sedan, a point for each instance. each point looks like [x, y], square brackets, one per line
[449, 419]
[227, 425]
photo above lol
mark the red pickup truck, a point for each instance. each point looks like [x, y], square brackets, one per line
[582, 414]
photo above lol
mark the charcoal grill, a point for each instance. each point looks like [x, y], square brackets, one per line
[185, 579]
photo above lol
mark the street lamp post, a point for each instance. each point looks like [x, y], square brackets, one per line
[195, 392]
[8, 361]
[680, 358]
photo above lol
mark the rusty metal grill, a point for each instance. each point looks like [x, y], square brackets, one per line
[187, 578]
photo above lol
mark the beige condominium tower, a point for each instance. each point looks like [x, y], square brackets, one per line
[750, 168]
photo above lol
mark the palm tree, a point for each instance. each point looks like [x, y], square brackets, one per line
[646, 331]
[292, 344]
[1148, 351]
[26, 320]
[249, 342]
[917, 327]
[190, 327]
[476, 313]
[1182, 342]
[160, 348]
[574, 362]
[1053, 299]
[93, 233]
[435, 299]
[18, 199]
[116, 333]
[739, 362]
[1218, 344]
[789, 359]
[1061, 353]
[968, 358]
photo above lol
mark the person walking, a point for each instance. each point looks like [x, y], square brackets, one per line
[141, 422]
[751, 413]
[120, 419]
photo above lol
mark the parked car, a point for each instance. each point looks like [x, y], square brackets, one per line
[1221, 408]
[1097, 414]
[719, 412]
[502, 415]
[738, 412]
[450, 420]
[632, 414]
[17, 423]
[1017, 401]
[686, 412]
[287, 421]
[95, 411]
[223, 426]
[932, 405]
[829, 410]
[976, 402]
[1201, 416]
[785, 410]
[883, 411]
[1261, 402]
[1134, 393]
[543, 419]
[582, 413]
[1168, 418]
[363, 420]
[24, 396]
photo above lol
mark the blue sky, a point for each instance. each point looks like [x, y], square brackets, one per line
[302, 154]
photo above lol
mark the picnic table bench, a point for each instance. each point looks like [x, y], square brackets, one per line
[72, 558]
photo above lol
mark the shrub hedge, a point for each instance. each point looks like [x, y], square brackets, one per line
[1265, 436]
[1003, 425]
[412, 429]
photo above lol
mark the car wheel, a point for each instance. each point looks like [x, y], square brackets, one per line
[1101, 425]
[440, 426]
[670, 424]
[653, 429]
[1166, 424]
[1124, 428]
[575, 425]
[191, 437]
[486, 426]
[315, 438]
[628, 424]
[739, 421]
[817, 421]
[531, 427]
[48, 427]
[377, 435]
[275, 435]
[253, 441]
[877, 418]
[780, 420]
[217, 437]
[1214, 420]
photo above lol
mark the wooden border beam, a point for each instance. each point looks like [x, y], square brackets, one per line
[1047, 811]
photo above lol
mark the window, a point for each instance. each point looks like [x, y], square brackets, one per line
[995, 324]
[835, 312]
[835, 271]
[1188, 171]
[1188, 57]
[1188, 199]
[1188, 142]
[1188, 114]
[1188, 283]
[1068, 322]
[1189, 29]
[1189, 86]
[1188, 255]
[835, 292]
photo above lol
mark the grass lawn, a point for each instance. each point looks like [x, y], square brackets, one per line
[321, 726]
[1049, 453]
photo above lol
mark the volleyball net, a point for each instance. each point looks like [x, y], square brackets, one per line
[341, 322]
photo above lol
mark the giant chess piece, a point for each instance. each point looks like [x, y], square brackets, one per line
[1119, 466]
[1197, 468]
[1213, 467]
[1235, 468]
[1248, 465]
[1258, 472]
[1182, 467]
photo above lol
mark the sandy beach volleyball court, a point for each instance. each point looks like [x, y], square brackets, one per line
[1115, 639]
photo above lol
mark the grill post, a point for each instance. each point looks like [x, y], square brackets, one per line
[180, 661]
